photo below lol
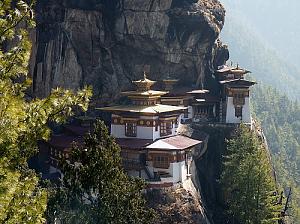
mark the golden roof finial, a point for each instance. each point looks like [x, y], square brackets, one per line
[144, 84]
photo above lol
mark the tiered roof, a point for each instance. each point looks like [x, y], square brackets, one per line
[232, 70]
[238, 82]
[144, 90]
[152, 109]
[144, 100]
[234, 77]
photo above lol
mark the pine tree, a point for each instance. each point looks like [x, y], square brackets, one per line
[247, 180]
[95, 187]
[22, 121]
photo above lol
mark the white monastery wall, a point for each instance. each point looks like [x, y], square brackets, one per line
[178, 171]
[118, 131]
[230, 112]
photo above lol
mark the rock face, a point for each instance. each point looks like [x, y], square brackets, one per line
[108, 43]
[179, 204]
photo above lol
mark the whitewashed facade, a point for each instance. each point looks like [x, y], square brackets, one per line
[231, 117]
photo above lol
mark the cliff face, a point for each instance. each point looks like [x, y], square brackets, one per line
[179, 204]
[107, 43]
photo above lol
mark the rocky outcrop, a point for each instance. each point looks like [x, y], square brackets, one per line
[107, 43]
[180, 204]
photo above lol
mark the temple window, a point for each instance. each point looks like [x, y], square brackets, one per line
[130, 129]
[161, 161]
[166, 128]
[238, 99]
[238, 111]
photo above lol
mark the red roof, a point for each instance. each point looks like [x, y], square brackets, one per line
[64, 141]
[133, 143]
[177, 142]
[77, 130]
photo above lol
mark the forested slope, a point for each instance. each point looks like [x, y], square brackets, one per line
[280, 119]
[275, 21]
[249, 49]
[262, 36]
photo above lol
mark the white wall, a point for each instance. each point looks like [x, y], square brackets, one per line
[118, 131]
[178, 171]
[191, 112]
[230, 112]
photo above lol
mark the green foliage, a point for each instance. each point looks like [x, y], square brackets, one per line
[280, 119]
[22, 200]
[95, 187]
[23, 121]
[247, 180]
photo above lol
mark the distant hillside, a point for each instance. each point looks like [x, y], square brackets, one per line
[252, 48]
[280, 119]
[263, 37]
[276, 21]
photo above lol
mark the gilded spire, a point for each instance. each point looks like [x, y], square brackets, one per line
[144, 84]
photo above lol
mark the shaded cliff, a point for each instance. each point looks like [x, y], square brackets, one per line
[107, 43]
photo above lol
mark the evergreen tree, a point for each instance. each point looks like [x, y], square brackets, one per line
[23, 121]
[280, 119]
[247, 180]
[95, 187]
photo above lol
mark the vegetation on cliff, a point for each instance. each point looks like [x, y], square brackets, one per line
[23, 122]
[249, 187]
[280, 119]
[273, 62]
[95, 187]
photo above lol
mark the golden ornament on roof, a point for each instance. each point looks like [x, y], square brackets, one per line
[144, 84]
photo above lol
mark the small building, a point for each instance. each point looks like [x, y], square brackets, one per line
[170, 158]
[236, 94]
[147, 133]
[205, 107]
[60, 144]
[177, 96]
[228, 72]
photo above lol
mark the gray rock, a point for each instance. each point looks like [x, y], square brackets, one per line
[107, 43]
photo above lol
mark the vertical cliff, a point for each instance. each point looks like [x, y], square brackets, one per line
[107, 43]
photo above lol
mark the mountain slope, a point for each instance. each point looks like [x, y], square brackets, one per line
[280, 118]
[276, 21]
[252, 31]
[248, 48]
